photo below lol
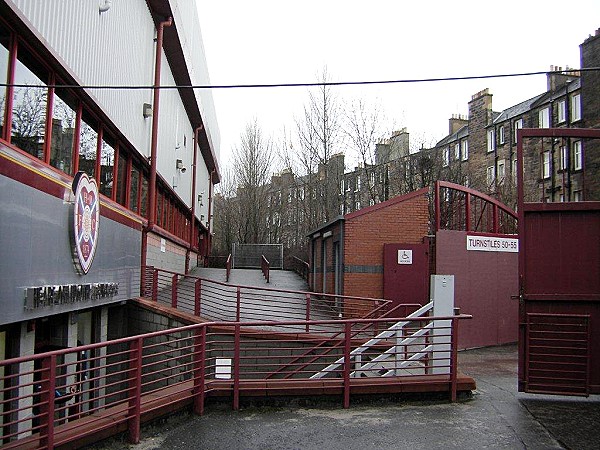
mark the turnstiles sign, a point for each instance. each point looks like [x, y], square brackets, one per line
[405, 257]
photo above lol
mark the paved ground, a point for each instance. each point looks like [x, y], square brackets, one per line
[495, 417]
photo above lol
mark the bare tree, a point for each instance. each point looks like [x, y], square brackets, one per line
[320, 137]
[364, 129]
[225, 214]
[252, 167]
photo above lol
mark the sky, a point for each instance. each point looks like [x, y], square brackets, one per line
[270, 42]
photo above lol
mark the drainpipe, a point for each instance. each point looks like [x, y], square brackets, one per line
[209, 215]
[193, 224]
[154, 142]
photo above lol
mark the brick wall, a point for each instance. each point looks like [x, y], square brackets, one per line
[399, 220]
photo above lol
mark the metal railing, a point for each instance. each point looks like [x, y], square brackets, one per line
[213, 300]
[299, 266]
[64, 396]
[228, 268]
[265, 267]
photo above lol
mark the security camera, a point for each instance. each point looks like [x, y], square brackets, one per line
[183, 169]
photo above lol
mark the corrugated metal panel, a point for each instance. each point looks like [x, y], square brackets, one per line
[91, 44]
[117, 48]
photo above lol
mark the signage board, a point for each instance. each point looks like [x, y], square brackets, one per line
[492, 244]
[405, 256]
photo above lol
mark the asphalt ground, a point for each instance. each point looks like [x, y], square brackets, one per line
[495, 416]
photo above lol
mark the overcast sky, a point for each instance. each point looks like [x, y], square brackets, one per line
[264, 41]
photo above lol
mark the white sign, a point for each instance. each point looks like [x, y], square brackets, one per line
[492, 244]
[404, 256]
[163, 245]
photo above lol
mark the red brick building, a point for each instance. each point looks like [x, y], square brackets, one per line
[347, 253]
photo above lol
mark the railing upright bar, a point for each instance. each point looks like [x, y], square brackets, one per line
[454, 359]
[197, 297]
[135, 391]
[48, 397]
[238, 308]
[347, 337]
[307, 297]
[236, 369]
[199, 372]
[155, 285]
[174, 291]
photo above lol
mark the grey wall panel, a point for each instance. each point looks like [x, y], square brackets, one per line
[35, 250]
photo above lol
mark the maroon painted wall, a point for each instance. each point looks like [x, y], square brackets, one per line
[483, 285]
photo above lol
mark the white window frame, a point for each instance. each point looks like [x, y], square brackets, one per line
[518, 124]
[564, 157]
[561, 111]
[575, 107]
[514, 169]
[464, 150]
[491, 140]
[357, 187]
[501, 170]
[577, 155]
[490, 175]
[457, 151]
[546, 164]
[501, 134]
[446, 157]
[544, 118]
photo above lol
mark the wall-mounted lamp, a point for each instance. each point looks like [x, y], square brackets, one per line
[147, 110]
[179, 166]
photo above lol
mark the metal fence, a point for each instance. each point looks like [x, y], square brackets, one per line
[248, 256]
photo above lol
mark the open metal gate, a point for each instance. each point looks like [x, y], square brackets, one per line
[559, 264]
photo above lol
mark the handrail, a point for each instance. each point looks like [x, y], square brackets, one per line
[215, 300]
[116, 383]
[301, 267]
[377, 339]
[265, 267]
[228, 268]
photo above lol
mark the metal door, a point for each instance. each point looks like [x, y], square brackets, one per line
[559, 280]
[406, 273]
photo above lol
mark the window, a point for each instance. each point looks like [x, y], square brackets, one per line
[341, 186]
[561, 112]
[372, 179]
[575, 107]
[501, 170]
[357, 184]
[88, 148]
[133, 196]
[144, 196]
[122, 180]
[107, 162]
[577, 196]
[457, 151]
[464, 149]
[544, 118]
[490, 175]
[514, 169]
[357, 205]
[546, 164]
[577, 155]
[446, 156]
[4, 56]
[28, 128]
[63, 132]
[564, 158]
[491, 140]
[501, 134]
[518, 124]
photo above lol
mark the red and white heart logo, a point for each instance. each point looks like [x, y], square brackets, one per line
[86, 218]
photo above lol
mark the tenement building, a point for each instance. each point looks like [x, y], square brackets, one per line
[98, 178]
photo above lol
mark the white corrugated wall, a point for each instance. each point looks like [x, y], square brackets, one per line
[117, 48]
